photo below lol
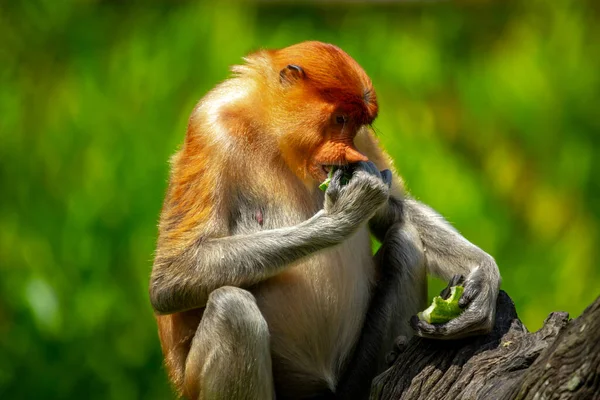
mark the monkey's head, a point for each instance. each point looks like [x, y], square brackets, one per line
[324, 99]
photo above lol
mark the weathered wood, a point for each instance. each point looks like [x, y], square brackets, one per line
[559, 361]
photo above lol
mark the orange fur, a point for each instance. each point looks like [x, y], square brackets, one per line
[176, 332]
[338, 152]
[349, 88]
[251, 132]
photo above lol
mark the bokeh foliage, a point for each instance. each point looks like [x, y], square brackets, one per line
[489, 110]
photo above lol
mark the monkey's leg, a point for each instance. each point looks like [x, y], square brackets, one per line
[230, 356]
[400, 293]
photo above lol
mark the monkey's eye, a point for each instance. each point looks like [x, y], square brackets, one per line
[341, 119]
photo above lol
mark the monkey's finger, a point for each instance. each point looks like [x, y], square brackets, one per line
[333, 190]
[399, 347]
[386, 175]
[414, 322]
[390, 358]
[372, 168]
[422, 328]
[368, 167]
[468, 324]
[336, 177]
[431, 331]
[470, 293]
[400, 344]
[456, 280]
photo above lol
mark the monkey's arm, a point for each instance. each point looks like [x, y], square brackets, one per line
[184, 281]
[448, 254]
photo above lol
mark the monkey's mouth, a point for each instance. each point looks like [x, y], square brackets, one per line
[326, 168]
[320, 172]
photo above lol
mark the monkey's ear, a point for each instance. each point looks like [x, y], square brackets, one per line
[290, 74]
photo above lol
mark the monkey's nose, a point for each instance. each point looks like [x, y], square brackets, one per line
[338, 152]
[354, 156]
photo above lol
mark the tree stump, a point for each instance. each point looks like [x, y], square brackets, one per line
[559, 361]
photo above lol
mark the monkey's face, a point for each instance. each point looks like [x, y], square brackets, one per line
[336, 146]
[319, 135]
[325, 98]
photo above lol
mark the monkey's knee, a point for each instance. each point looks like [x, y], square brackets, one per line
[234, 313]
[230, 353]
[233, 320]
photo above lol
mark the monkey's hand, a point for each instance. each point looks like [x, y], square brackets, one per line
[356, 202]
[479, 303]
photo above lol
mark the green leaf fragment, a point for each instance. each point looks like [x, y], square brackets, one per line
[325, 184]
[343, 181]
[441, 311]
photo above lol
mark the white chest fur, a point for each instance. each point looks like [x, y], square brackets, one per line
[315, 309]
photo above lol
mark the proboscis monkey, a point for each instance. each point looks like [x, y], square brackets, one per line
[264, 285]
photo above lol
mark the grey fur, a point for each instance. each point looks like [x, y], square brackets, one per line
[447, 254]
[401, 292]
[294, 302]
[416, 240]
[230, 356]
[247, 259]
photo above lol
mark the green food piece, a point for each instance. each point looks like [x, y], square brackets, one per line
[344, 181]
[325, 184]
[441, 311]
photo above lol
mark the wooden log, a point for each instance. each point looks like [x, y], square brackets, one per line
[559, 361]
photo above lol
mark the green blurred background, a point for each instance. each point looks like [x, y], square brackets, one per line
[489, 110]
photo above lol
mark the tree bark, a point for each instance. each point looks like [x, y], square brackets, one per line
[559, 361]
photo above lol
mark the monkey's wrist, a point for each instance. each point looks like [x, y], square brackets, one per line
[386, 216]
[346, 223]
[335, 227]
